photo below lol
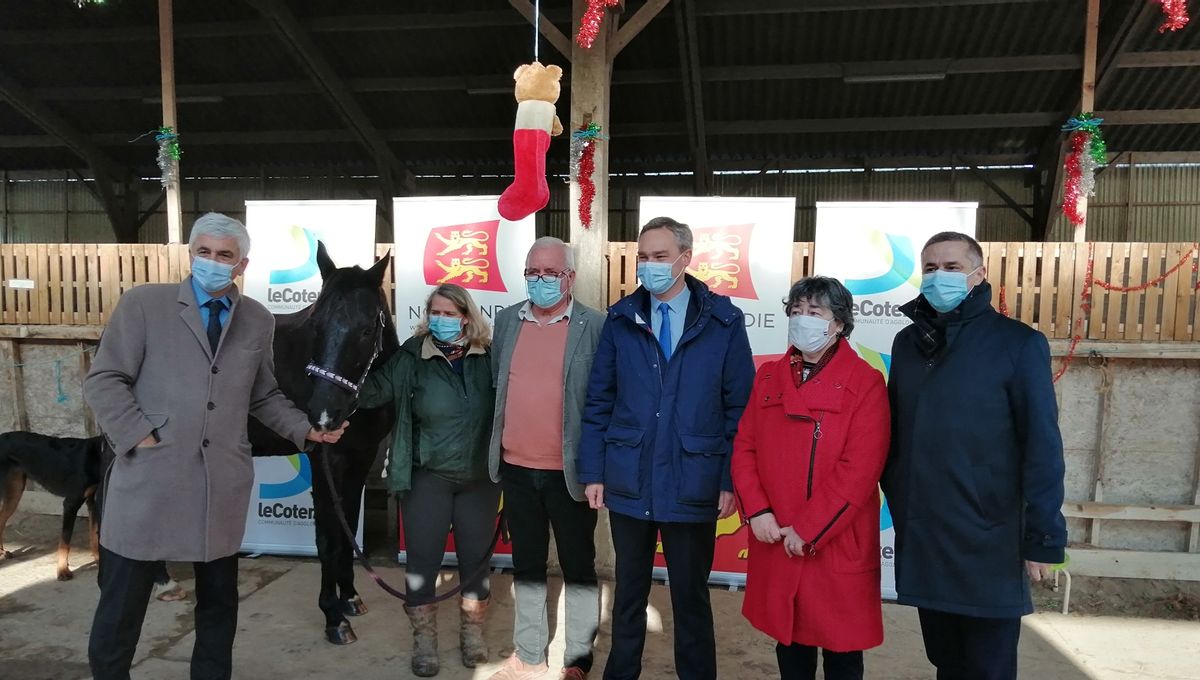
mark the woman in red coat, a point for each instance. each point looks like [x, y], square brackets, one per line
[809, 451]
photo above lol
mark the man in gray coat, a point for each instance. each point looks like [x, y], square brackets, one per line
[179, 369]
[542, 355]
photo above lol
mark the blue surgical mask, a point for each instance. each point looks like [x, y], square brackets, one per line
[543, 293]
[945, 290]
[445, 328]
[656, 276]
[212, 276]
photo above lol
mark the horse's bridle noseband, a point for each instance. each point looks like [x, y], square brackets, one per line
[318, 371]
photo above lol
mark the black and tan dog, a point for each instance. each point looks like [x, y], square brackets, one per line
[65, 467]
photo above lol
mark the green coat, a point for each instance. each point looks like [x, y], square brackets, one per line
[443, 420]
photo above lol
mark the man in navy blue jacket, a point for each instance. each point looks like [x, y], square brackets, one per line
[669, 381]
[975, 475]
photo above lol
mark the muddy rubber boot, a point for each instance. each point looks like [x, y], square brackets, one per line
[424, 625]
[474, 648]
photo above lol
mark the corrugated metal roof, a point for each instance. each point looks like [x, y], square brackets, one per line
[226, 41]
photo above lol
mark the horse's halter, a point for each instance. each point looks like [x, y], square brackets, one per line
[316, 370]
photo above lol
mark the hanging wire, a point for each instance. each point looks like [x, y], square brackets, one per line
[537, 14]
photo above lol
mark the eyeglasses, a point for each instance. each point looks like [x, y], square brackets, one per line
[548, 277]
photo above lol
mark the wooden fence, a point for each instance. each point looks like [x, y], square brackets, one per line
[1099, 291]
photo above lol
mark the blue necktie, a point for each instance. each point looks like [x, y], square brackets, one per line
[215, 307]
[664, 330]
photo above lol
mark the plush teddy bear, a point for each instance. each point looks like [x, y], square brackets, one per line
[537, 90]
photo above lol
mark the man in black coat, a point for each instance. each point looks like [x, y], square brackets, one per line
[975, 474]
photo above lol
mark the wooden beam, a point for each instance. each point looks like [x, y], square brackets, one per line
[547, 29]
[657, 129]
[745, 7]
[1177, 351]
[149, 212]
[631, 28]
[46, 118]
[166, 50]
[10, 332]
[999, 191]
[305, 51]
[1087, 100]
[1106, 65]
[1135, 564]
[687, 38]
[591, 76]
[1140, 513]
[502, 82]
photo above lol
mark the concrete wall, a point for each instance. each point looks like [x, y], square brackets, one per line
[1149, 437]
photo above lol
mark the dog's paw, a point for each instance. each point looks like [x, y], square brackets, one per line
[65, 575]
[4, 554]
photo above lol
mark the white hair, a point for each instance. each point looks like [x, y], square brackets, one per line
[553, 242]
[221, 226]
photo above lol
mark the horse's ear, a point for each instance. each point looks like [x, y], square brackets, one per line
[378, 269]
[324, 262]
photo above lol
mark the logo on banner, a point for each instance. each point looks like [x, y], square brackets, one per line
[303, 241]
[901, 259]
[464, 254]
[299, 484]
[721, 259]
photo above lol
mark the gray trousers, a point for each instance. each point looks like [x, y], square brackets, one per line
[536, 501]
[429, 510]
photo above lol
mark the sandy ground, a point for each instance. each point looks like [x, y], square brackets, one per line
[44, 627]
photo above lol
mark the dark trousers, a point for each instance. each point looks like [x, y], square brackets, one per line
[431, 510]
[125, 586]
[536, 502]
[969, 647]
[688, 548]
[799, 662]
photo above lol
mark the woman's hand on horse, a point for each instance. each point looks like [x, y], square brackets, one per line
[329, 436]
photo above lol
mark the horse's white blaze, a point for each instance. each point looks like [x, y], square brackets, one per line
[323, 421]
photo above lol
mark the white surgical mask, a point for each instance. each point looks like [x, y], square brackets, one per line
[809, 333]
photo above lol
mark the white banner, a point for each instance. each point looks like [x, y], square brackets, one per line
[284, 276]
[283, 272]
[457, 239]
[741, 247]
[875, 249]
[462, 240]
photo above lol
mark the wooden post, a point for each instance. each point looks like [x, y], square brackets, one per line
[166, 50]
[591, 78]
[1087, 102]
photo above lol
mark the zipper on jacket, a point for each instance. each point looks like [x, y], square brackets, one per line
[812, 457]
[845, 507]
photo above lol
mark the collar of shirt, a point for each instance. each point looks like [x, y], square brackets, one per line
[678, 304]
[202, 296]
[526, 313]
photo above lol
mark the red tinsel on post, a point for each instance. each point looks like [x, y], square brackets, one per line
[589, 25]
[1176, 13]
[587, 187]
[1073, 188]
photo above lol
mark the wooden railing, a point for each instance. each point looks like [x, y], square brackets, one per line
[1062, 289]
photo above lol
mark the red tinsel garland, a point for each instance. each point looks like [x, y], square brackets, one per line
[589, 25]
[1072, 183]
[1176, 13]
[587, 187]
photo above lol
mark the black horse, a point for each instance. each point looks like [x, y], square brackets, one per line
[322, 354]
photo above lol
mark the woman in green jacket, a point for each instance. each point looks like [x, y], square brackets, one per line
[440, 383]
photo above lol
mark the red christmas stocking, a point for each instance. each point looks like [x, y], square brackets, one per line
[528, 193]
[531, 140]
